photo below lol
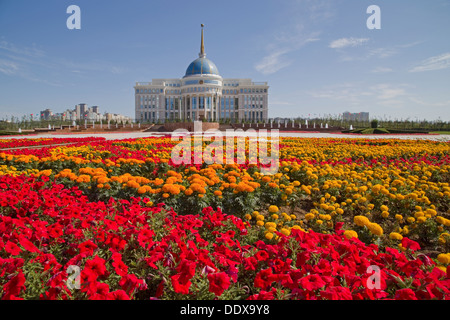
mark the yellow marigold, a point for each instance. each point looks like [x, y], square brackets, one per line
[405, 230]
[319, 222]
[419, 214]
[248, 217]
[384, 208]
[350, 234]
[410, 220]
[361, 221]
[274, 216]
[285, 231]
[260, 217]
[269, 236]
[273, 209]
[421, 219]
[375, 229]
[444, 258]
[259, 223]
[444, 221]
[271, 229]
[395, 236]
[398, 217]
[385, 214]
[142, 190]
[309, 216]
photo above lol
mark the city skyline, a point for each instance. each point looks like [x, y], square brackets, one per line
[318, 57]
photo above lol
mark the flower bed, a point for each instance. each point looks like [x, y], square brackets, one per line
[138, 227]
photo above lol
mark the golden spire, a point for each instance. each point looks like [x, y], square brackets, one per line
[202, 46]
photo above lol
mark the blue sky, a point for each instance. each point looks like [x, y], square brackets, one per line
[318, 56]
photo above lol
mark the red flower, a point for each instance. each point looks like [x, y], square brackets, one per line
[97, 265]
[186, 270]
[263, 279]
[410, 244]
[87, 246]
[118, 295]
[14, 286]
[405, 294]
[27, 244]
[12, 248]
[312, 282]
[130, 282]
[218, 282]
[180, 286]
[337, 293]
[160, 289]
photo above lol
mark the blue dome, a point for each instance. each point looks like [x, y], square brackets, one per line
[202, 66]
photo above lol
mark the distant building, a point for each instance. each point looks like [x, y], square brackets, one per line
[83, 113]
[46, 114]
[361, 116]
[116, 117]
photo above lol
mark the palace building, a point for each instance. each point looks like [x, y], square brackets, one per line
[202, 94]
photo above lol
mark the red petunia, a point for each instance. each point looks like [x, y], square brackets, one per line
[27, 244]
[118, 264]
[336, 293]
[218, 282]
[410, 244]
[14, 286]
[87, 246]
[186, 270]
[264, 278]
[118, 295]
[179, 285]
[312, 282]
[130, 283]
[405, 294]
[97, 265]
[12, 248]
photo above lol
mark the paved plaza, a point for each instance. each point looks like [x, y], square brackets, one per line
[134, 135]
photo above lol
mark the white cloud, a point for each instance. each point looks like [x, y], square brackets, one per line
[27, 51]
[301, 26]
[348, 42]
[434, 63]
[381, 70]
[8, 67]
[273, 62]
[387, 91]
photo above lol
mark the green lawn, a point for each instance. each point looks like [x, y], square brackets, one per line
[441, 132]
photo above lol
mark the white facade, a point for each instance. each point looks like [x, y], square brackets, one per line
[201, 94]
